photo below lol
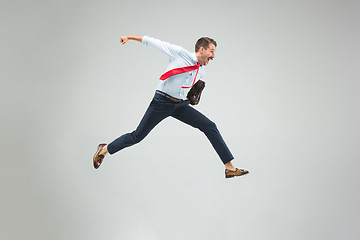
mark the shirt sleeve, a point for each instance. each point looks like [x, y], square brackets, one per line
[169, 49]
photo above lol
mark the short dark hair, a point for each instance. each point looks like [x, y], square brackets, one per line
[204, 42]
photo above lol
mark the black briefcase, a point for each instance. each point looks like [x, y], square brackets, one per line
[195, 92]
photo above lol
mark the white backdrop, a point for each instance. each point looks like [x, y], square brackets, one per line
[283, 90]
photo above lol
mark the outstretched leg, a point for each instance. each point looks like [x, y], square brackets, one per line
[155, 113]
[194, 118]
[191, 116]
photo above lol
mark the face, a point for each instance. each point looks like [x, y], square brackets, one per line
[205, 55]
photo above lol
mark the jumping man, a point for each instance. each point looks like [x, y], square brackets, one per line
[184, 70]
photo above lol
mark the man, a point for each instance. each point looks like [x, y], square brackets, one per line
[183, 71]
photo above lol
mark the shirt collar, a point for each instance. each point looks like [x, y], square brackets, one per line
[195, 59]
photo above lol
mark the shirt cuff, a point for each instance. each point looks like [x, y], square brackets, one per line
[145, 40]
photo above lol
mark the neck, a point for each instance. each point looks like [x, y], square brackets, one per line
[197, 54]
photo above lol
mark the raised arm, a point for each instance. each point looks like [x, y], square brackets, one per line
[165, 47]
[124, 39]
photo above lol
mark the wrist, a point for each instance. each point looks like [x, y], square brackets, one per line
[136, 38]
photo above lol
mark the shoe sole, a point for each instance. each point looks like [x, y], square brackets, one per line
[231, 176]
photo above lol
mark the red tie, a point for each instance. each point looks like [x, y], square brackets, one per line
[179, 70]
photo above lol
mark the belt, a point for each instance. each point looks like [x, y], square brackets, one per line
[170, 97]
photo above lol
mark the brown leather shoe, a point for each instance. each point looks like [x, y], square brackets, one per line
[97, 157]
[237, 172]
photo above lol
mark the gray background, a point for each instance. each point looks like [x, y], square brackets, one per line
[283, 90]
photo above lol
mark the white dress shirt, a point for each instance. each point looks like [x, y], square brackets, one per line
[177, 85]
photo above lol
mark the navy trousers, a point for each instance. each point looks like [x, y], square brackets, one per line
[162, 107]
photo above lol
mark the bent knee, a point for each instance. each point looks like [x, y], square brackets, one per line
[209, 125]
[137, 137]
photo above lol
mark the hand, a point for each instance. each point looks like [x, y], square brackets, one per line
[124, 39]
